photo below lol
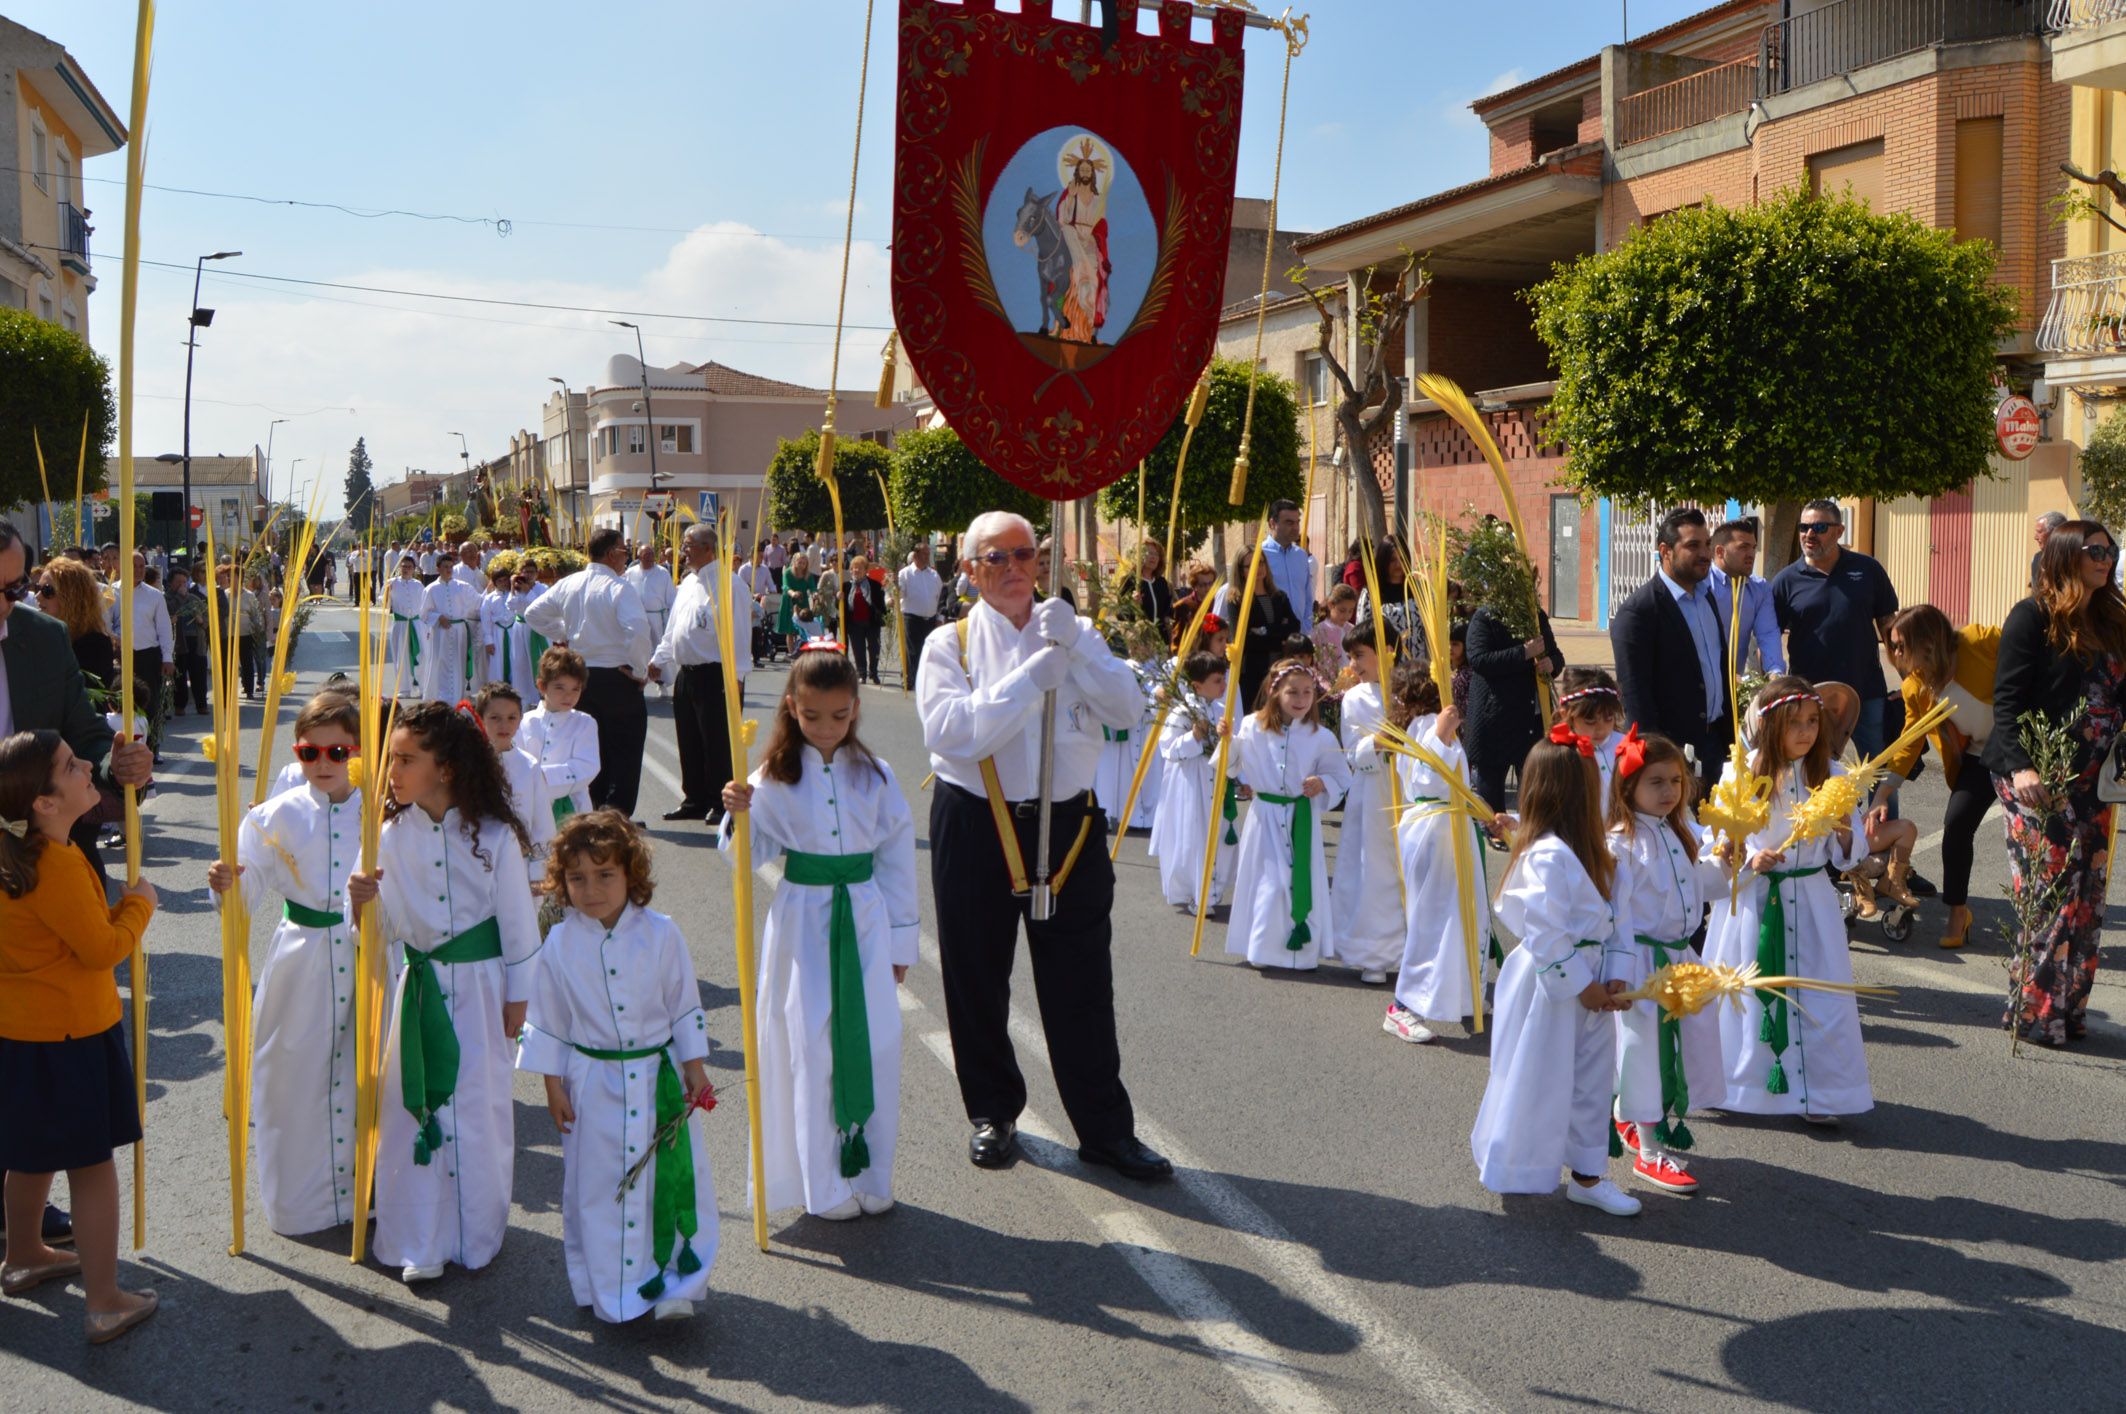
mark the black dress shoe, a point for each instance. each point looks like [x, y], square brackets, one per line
[684, 812]
[1129, 1157]
[992, 1144]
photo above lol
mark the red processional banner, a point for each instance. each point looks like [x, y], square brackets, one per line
[1063, 204]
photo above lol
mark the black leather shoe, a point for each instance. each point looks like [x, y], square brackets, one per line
[1130, 1158]
[992, 1145]
[684, 812]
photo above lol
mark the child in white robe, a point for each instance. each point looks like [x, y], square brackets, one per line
[504, 642]
[1119, 753]
[562, 740]
[458, 917]
[502, 717]
[841, 936]
[1187, 757]
[1663, 881]
[407, 601]
[1590, 704]
[616, 1028]
[1294, 770]
[303, 844]
[450, 647]
[1553, 1044]
[1369, 896]
[1812, 1062]
[1434, 983]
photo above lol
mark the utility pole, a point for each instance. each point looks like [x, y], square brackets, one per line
[649, 418]
[200, 319]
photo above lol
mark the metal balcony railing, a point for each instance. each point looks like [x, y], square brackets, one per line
[2083, 14]
[73, 237]
[1852, 34]
[2086, 315]
[1688, 101]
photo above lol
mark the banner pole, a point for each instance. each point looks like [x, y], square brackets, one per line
[1044, 900]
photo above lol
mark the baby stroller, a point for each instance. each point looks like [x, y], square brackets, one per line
[1857, 886]
[767, 643]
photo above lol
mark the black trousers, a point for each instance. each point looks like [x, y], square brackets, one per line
[698, 716]
[863, 649]
[1969, 799]
[247, 664]
[1073, 976]
[147, 692]
[189, 689]
[615, 703]
[915, 629]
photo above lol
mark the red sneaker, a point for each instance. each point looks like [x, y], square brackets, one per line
[1627, 1134]
[1665, 1172]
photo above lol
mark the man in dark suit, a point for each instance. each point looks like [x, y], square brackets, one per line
[1671, 647]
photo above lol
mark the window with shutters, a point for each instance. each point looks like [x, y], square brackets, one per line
[1855, 171]
[1978, 179]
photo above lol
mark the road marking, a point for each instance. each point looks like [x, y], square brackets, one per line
[1933, 841]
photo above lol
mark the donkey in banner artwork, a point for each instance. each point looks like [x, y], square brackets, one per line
[1037, 224]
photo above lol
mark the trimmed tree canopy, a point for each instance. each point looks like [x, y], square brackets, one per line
[1796, 348]
[939, 484]
[48, 379]
[798, 500]
[1274, 470]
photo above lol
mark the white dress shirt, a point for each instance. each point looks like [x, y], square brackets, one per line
[920, 591]
[994, 708]
[599, 614]
[690, 630]
[151, 620]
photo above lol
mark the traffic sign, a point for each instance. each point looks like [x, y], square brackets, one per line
[99, 510]
[196, 517]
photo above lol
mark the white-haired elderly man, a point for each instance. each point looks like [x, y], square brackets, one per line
[979, 691]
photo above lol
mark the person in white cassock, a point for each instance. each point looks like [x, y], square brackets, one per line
[411, 631]
[653, 582]
[450, 652]
[599, 614]
[1367, 894]
[690, 656]
[1187, 760]
[1283, 910]
[459, 920]
[1433, 982]
[469, 570]
[563, 744]
[980, 693]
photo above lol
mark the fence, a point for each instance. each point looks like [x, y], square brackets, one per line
[1851, 34]
[1686, 102]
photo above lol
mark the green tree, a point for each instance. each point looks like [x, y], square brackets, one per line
[103, 528]
[2104, 471]
[1274, 470]
[798, 500]
[48, 379]
[1774, 353]
[361, 507]
[938, 483]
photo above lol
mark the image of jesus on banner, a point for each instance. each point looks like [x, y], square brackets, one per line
[1081, 211]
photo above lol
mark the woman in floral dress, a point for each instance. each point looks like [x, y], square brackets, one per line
[2062, 658]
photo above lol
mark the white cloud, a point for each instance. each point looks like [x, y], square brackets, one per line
[1456, 109]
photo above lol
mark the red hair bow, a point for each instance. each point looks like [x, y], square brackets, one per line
[1631, 753]
[1566, 736]
[1213, 624]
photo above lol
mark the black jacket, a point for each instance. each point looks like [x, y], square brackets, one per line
[1505, 718]
[2031, 676]
[874, 595]
[1657, 671]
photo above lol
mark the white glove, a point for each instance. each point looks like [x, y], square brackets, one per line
[1049, 669]
[1057, 622]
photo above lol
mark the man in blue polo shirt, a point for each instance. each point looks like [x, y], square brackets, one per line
[1835, 605]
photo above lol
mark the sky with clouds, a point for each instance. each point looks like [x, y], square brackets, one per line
[687, 160]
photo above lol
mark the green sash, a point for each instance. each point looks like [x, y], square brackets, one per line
[1675, 1086]
[1232, 810]
[672, 1215]
[564, 806]
[1771, 962]
[503, 669]
[428, 1039]
[307, 917]
[1113, 734]
[539, 644]
[1302, 864]
[413, 642]
[848, 1022]
[466, 624]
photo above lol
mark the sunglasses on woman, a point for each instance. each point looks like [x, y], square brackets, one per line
[337, 755]
[2102, 554]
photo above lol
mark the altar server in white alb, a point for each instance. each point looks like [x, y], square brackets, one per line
[458, 914]
[653, 582]
[563, 741]
[1188, 750]
[406, 652]
[303, 845]
[617, 1030]
[841, 936]
[1553, 1037]
[450, 652]
[1367, 891]
[1779, 1059]
[505, 640]
[1294, 768]
[1119, 752]
[1435, 982]
[1664, 1064]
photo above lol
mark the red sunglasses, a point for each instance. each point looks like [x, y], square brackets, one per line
[337, 755]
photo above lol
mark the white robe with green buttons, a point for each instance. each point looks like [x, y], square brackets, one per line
[301, 847]
[618, 991]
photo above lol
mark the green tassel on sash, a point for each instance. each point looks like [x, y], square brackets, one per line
[672, 1199]
[849, 1019]
[1671, 1131]
[1771, 962]
[1232, 811]
[413, 642]
[1302, 865]
[428, 1039]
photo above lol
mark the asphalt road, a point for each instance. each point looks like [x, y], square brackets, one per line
[1325, 1245]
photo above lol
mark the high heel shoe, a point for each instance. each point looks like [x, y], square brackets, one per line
[1959, 927]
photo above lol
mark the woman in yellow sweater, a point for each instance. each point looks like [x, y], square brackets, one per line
[66, 1083]
[1942, 663]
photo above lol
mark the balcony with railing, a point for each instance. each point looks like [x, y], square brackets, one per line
[1852, 34]
[2089, 42]
[73, 238]
[2086, 316]
[1686, 102]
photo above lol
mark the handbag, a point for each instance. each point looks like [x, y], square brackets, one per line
[2111, 774]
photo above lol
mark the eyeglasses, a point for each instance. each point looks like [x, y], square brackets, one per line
[1819, 527]
[2102, 554]
[337, 755]
[997, 559]
[18, 591]
[44, 589]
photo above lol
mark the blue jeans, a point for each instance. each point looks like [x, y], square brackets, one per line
[1868, 738]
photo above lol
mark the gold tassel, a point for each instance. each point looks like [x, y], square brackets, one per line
[823, 465]
[888, 366]
[1239, 490]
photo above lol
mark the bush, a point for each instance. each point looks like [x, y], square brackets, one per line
[48, 379]
[938, 483]
[2104, 471]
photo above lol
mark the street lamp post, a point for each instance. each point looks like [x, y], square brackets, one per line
[649, 415]
[200, 319]
[266, 491]
[568, 446]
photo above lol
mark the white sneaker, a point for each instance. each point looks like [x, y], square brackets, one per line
[1403, 1022]
[1821, 1121]
[873, 1204]
[1373, 977]
[843, 1211]
[673, 1310]
[414, 1271]
[1604, 1195]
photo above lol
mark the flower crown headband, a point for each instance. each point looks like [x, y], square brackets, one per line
[1792, 697]
[1287, 671]
[1582, 693]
